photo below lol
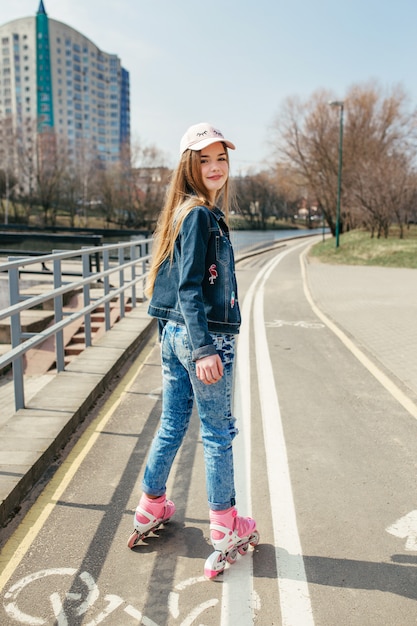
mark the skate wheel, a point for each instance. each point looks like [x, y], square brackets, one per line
[133, 539]
[214, 565]
[232, 556]
[243, 548]
[254, 540]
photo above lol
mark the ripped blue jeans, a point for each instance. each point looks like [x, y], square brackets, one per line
[180, 387]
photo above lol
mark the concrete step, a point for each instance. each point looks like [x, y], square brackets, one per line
[48, 305]
[97, 318]
[32, 321]
[42, 359]
[78, 338]
[74, 349]
[95, 294]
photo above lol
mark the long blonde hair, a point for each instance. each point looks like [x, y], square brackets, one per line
[185, 192]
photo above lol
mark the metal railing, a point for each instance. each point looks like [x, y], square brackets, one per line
[116, 261]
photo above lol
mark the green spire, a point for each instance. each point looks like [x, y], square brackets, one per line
[43, 71]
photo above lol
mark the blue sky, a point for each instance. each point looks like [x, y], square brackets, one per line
[233, 62]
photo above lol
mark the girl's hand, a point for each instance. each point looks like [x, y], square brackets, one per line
[209, 369]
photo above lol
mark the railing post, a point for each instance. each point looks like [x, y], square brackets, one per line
[86, 297]
[16, 338]
[106, 281]
[144, 268]
[59, 337]
[122, 280]
[133, 256]
[97, 260]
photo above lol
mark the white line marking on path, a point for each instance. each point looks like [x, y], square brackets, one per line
[174, 596]
[10, 603]
[300, 324]
[406, 528]
[58, 606]
[237, 605]
[239, 599]
[295, 602]
[198, 610]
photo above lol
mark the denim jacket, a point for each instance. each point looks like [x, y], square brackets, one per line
[199, 287]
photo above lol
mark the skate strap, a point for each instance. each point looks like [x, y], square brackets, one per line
[146, 514]
[221, 529]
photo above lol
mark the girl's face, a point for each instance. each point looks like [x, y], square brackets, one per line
[214, 168]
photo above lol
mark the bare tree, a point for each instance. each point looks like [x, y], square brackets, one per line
[151, 179]
[400, 191]
[81, 179]
[18, 164]
[379, 130]
[258, 198]
[291, 191]
[303, 135]
[25, 144]
[383, 134]
[50, 168]
[7, 164]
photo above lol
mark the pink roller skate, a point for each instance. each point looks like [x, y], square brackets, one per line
[230, 535]
[149, 515]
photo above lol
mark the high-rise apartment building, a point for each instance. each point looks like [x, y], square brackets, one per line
[56, 83]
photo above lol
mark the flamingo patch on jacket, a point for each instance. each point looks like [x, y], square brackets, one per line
[213, 273]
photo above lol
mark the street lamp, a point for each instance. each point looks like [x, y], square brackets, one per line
[340, 104]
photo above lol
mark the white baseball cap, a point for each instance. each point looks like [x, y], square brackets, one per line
[200, 136]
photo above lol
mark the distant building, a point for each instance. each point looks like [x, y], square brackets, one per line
[58, 90]
[308, 211]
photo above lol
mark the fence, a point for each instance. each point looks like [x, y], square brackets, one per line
[124, 264]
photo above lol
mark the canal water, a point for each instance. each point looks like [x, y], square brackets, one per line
[253, 239]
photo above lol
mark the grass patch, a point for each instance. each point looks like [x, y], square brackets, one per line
[358, 248]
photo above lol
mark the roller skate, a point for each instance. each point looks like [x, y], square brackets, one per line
[230, 535]
[149, 515]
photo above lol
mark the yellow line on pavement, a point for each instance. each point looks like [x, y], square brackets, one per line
[382, 378]
[23, 537]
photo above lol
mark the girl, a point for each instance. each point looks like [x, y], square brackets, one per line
[193, 292]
